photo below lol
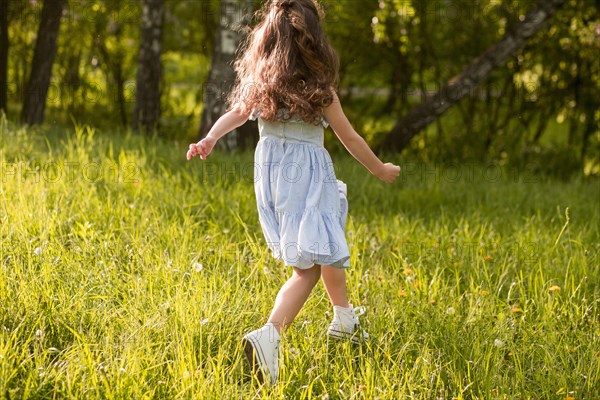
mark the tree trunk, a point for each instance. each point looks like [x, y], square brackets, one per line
[146, 111]
[471, 76]
[36, 92]
[3, 55]
[234, 15]
[115, 73]
[72, 81]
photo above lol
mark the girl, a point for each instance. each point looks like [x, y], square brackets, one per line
[287, 73]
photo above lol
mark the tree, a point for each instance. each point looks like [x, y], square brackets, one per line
[234, 15]
[471, 76]
[109, 30]
[3, 54]
[146, 111]
[36, 92]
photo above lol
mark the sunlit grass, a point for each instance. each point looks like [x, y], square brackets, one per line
[130, 273]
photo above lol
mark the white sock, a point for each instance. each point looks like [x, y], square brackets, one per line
[340, 308]
[273, 334]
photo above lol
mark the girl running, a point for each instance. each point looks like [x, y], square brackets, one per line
[287, 74]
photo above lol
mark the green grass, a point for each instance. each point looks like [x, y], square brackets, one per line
[128, 273]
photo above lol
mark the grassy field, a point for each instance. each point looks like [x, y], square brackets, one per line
[128, 273]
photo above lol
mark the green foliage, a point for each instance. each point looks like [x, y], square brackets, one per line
[554, 77]
[393, 53]
[128, 272]
[99, 44]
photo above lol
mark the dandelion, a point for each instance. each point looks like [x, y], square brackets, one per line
[204, 321]
[37, 251]
[516, 309]
[402, 293]
[554, 288]
[198, 267]
[362, 387]
[432, 302]
[408, 271]
[484, 292]
[498, 343]
[450, 311]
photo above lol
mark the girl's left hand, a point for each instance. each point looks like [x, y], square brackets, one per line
[203, 148]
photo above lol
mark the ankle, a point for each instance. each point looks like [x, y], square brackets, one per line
[275, 327]
[343, 307]
[345, 304]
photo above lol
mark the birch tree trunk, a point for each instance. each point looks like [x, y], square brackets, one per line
[146, 111]
[36, 92]
[471, 76]
[234, 15]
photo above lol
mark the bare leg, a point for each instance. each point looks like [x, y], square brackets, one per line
[334, 280]
[292, 296]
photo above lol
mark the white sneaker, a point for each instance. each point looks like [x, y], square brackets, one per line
[262, 349]
[345, 324]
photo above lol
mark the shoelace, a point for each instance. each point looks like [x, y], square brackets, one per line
[358, 311]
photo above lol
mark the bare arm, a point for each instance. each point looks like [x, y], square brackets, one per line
[228, 122]
[356, 145]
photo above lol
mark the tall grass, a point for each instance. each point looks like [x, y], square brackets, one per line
[129, 273]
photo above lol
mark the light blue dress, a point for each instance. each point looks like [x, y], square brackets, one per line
[302, 207]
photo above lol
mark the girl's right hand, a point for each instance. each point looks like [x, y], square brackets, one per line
[203, 148]
[388, 173]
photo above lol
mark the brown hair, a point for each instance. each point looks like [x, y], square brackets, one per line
[286, 63]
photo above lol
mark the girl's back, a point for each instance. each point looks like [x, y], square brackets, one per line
[287, 66]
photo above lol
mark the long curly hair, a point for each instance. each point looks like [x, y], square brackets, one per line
[286, 63]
